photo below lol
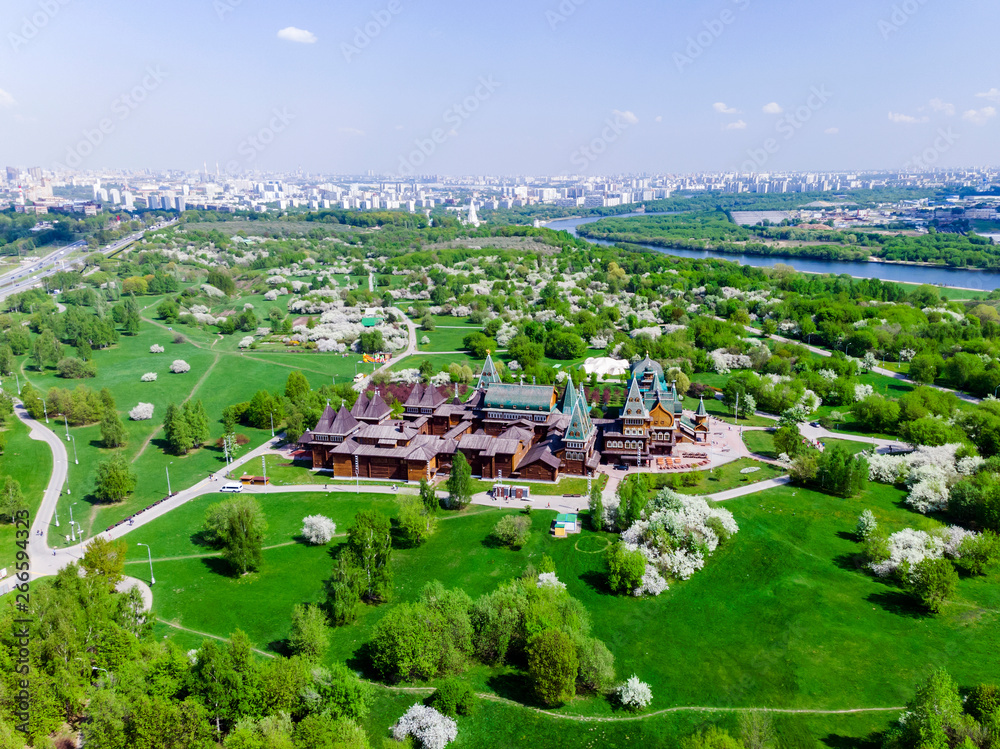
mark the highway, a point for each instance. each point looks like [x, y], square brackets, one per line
[25, 278]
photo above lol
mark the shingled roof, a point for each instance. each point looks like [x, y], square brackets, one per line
[519, 397]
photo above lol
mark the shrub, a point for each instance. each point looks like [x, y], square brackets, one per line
[318, 530]
[75, 369]
[453, 698]
[553, 666]
[141, 412]
[933, 581]
[625, 568]
[156, 349]
[512, 530]
[432, 729]
[634, 695]
[597, 665]
[148, 377]
[179, 366]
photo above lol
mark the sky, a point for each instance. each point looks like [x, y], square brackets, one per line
[589, 87]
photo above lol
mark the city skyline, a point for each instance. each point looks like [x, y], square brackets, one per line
[576, 87]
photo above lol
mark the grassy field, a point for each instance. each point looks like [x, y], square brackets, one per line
[781, 616]
[444, 339]
[760, 442]
[728, 476]
[217, 377]
[29, 462]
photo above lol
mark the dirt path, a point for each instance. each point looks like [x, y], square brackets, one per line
[206, 634]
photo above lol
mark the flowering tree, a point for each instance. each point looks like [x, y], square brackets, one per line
[245, 341]
[148, 377]
[634, 695]
[318, 530]
[429, 727]
[156, 349]
[141, 412]
[179, 366]
[867, 524]
[549, 580]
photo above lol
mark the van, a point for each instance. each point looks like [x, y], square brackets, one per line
[231, 488]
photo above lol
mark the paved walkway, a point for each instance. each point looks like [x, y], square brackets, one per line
[742, 491]
[127, 583]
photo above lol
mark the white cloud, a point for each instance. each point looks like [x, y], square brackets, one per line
[993, 95]
[721, 108]
[350, 131]
[659, 118]
[905, 119]
[299, 36]
[6, 100]
[980, 116]
[832, 130]
[939, 105]
[773, 108]
[399, 127]
[738, 125]
[627, 116]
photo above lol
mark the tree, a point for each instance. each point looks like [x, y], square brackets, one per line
[933, 716]
[877, 414]
[512, 530]
[757, 729]
[453, 698]
[933, 582]
[711, 738]
[415, 521]
[238, 525]
[221, 280]
[428, 497]
[113, 432]
[197, 422]
[553, 666]
[788, 440]
[923, 369]
[371, 342]
[405, 643]
[478, 345]
[625, 568]
[805, 467]
[318, 529]
[564, 345]
[11, 498]
[841, 472]
[115, 479]
[262, 409]
[596, 503]
[345, 587]
[296, 386]
[309, 636]
[177, 431]
[459, 482]
[105, 558]
[370, 541]
[340, 693]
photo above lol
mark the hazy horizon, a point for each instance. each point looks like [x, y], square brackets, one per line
[571, 87]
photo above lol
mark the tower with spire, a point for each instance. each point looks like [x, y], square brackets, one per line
[473, 219]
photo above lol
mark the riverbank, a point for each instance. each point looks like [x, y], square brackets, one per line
[963, 279]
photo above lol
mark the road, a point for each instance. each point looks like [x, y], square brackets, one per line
[64, 258]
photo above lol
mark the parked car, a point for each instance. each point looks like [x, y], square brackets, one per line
[231, 488]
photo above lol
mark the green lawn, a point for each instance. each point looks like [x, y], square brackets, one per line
[728, 476]
[444, 339]
[781, 616]
[283, 472]
[759, 442]
[440, 362]
[217, 377]
[29, 462]
[721, 411]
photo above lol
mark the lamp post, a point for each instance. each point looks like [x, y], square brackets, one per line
[272, 424]
[263, 465]
[18, 381]
[72, 533]
[66, 422]
[44, 411]
[167, 469]
[357, 476]
[152, 580]
[76, 460]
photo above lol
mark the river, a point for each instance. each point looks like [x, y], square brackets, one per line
[940, 276]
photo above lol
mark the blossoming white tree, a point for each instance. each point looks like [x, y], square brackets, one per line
[634, 694]
[432, 729]
[549, 580]
[141, 412]
[148, 377]
[179, 366]
[318, 529]
[156, 349]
